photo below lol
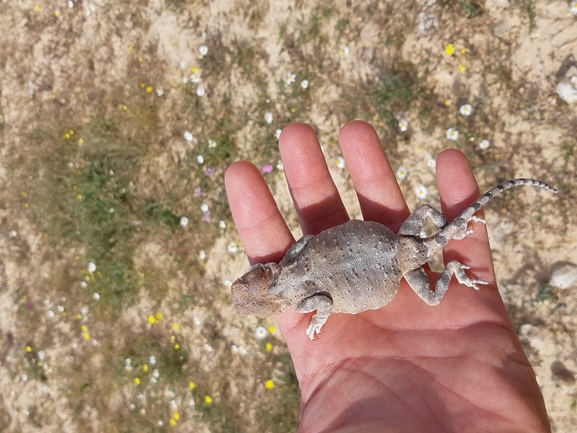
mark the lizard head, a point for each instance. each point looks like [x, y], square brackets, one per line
[251, 293]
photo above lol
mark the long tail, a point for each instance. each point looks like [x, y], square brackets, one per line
[446, 234]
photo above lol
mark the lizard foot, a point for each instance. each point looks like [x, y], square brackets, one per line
[466, 280]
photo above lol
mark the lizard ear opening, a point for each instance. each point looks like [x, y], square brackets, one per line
[251, 292]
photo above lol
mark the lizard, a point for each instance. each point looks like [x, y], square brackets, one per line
[359, 265]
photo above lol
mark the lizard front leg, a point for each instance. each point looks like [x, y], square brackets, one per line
[323, 304]
[419, 282]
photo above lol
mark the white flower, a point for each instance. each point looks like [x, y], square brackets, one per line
[152, 360]
[260, 332]
[160, 423]
[268, 117]
[96, 296]
[290, 78]
[184, 79]
[485, 144]
[345, 50]
[242, 350]
[182, 64]
[155, 373]
[200, 159]
[200, 91]
[195, 76]
[91, 267]
[83, 284]
[159, 92]
[24, 377]
[60, 309]
[452, 134]
[203, 50]
[234, 349]
[173, 406]
[222, 224]
[574, 7]
[41, 355]
[50, 314]
[403, 125]
[70, 4]
[421, 192]
[232, 248]
[207, 348]
[191, 403]
[341, 162]
[13, 233]
[279, 165]
[202, 255]
[183, 221]
[431, 162]
[227, 283]
[142, 411]
[153, 380]
[196, 321]
[211, 143]
[188, 136]
[277, 133]
[204, 207]
[466, 110]
[402, 173]
[305, 84]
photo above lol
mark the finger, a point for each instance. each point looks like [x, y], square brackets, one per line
[313, 191]
[263, 231]
[379, 194]
[458, 189]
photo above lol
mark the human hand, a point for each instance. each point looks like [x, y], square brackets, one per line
[408, 366]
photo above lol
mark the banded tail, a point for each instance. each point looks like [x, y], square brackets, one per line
[440, 239]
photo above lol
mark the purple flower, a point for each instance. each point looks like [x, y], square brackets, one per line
[197, 191]
[209, 171]
[267, 168]
[206, 216]
[30, 305]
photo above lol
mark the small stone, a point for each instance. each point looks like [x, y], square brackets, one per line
[564, 276]
[567, 88]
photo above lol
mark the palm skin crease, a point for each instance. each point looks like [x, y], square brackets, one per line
[407, 367]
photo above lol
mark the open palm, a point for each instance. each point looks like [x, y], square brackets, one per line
[407, 367]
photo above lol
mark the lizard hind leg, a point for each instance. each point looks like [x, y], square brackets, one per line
[419, 282]
[414, 223]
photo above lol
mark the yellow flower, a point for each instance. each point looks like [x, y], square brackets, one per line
[53, 96]
[130, 47]
[28, 349]
[86, 336]
[81, 141]
[66, 136]
[191, 385]
[176, 416]
[84, 328]
[149, 89]
[172, 422]
[463, 51]
[462, 68]
[79, 317]
[145, 368]
[175, 326]
[71, 132]
[172, 338]
[177, 346]
[293, 109]
[124, 107]
[448, 102]
[140, 59]
[151, 320]
[194, 70]
[159, 316]
[36, 7]
[137, 381]
[268, 347]
[376, 117]
[142, 85]
[26, 205]
[450, 49]
[269, 384]
[57, 14]
[79, 196]
[271, 329]
[208, 399]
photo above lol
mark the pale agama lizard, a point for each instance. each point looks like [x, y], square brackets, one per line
[358, 266]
